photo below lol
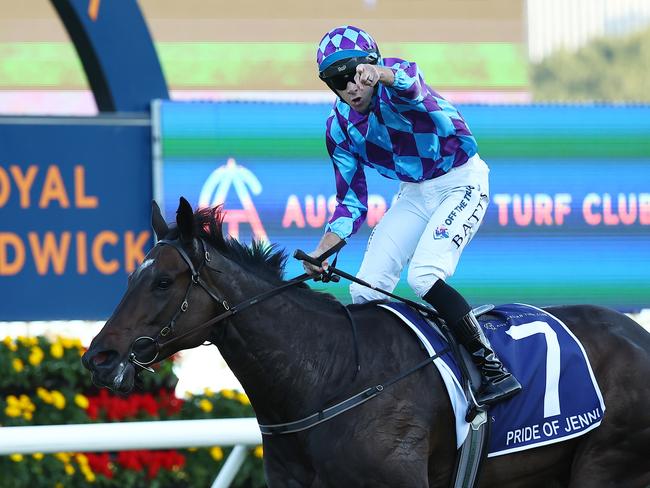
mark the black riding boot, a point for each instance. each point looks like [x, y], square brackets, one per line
[496, 382]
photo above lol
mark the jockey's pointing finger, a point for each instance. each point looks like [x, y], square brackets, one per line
[366, 75]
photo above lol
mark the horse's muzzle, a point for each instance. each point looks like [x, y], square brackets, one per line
[108, 370]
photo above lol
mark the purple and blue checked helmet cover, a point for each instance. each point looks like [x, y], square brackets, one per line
[342, 43]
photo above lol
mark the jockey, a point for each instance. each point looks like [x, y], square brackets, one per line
[386, 118]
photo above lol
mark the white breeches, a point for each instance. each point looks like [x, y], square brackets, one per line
[429, 225]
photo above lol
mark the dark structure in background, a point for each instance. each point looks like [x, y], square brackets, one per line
[75, 192]
[116, 51]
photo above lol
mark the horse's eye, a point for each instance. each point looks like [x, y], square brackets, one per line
[163, 283]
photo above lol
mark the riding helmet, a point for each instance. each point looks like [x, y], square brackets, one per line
[340, 51]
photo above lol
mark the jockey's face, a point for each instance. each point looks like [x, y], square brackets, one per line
[358, 96]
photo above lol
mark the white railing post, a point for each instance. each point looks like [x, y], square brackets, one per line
[231, 467]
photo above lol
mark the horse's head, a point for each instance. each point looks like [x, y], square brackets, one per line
[167, 296]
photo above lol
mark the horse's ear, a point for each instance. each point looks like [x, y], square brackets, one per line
[185, 220]
[158, 223]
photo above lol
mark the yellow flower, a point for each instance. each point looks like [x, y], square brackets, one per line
[9, 342]
[17, 365]
[13, 401]
[69, 469]
[192, 449]
[58, 485]
[28, 415]
[38, 456]
[64, 457]
[12, 411]
[56, 350]
[26, 403]
[81, 459]
[44, 395]
[258, 452]
[243, 399]
[90, 476]
[27, 341]
[58, 399]
[16, 458]
[205, 405]
[229, 394]
[208, 392]
[36, 356]
[66, 343]
[81, 401]
[217, 453]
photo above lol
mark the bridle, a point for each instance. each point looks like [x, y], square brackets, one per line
[153, 345]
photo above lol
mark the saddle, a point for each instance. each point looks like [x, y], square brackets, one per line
[472, 420]
[560, 398]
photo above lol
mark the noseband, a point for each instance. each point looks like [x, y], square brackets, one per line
[156, 344]
[144, 343]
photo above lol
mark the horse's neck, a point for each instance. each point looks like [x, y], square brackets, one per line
[282, 350]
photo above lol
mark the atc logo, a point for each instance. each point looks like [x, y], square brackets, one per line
[216, 188]
[441, 232]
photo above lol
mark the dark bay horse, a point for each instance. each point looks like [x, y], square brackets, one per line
[294, 353]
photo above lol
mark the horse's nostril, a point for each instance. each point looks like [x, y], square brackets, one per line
[103, 359]
[100, 358]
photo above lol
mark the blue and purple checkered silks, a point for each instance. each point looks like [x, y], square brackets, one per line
[344, 42]
[410, 134]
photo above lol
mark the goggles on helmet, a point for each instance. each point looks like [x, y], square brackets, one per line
[338, 73]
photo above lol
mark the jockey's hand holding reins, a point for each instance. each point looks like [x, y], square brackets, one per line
[327, 274]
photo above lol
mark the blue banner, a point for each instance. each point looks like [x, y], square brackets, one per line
[75, 206]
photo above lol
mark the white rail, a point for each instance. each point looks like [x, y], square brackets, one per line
[164, 434]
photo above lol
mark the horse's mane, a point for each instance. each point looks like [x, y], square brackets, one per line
[266, 261]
